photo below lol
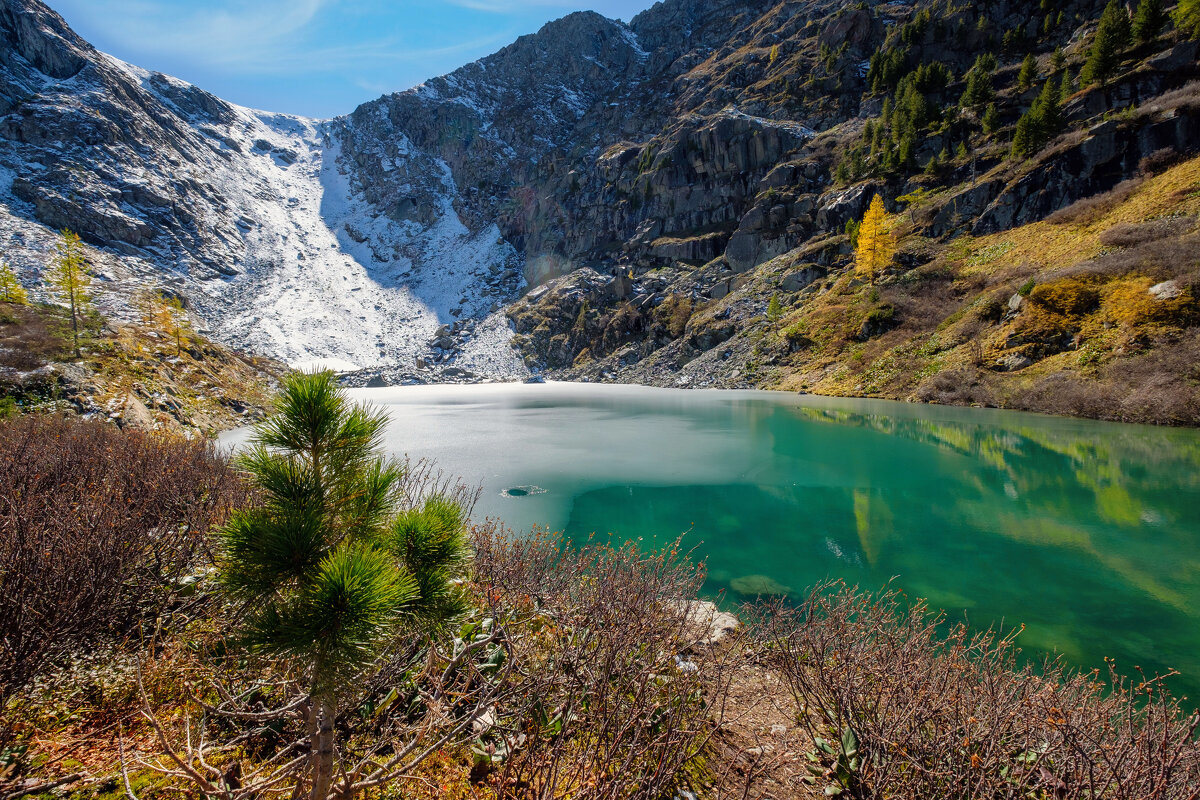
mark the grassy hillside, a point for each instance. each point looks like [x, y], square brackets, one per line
[1092, 312]
[130, 373]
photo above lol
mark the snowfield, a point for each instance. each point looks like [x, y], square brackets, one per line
[315, 275]
[326, 276]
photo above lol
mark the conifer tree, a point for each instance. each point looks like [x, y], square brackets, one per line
[876, 243]
[69, 280]
[852, 232]
[1050, 110]
[1058, 60]
[11, 290]
[1023, 143]
[166, 314]
[1187, 18]
[1112, 37]
[1041, 123]
[326, 568]
[774, 309]
[978, 91]
[991, 119]
[1148, 21]
[1029, 72]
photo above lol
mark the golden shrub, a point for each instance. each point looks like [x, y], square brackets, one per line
[1128, 302]
[1068, 297]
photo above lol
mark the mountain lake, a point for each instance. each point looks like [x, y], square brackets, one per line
[1088, 533]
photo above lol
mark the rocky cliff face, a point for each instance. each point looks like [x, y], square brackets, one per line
[660, 179]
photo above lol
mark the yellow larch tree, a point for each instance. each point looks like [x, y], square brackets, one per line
[876, 242]
[69, 279]
[166, 314]
[11, 290]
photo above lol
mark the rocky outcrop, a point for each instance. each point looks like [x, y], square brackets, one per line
[1108, 154]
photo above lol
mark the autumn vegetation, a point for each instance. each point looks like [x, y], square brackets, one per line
[876, 243]
[149, 369]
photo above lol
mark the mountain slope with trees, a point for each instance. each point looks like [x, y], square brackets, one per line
[629, 197]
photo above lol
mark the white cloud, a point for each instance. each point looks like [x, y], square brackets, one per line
[268, 37]
[503, 7]
[224, 32]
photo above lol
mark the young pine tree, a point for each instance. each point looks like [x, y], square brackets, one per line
[326, 568]
[991, 119]
[774, 309]
[1028, 74]
[1058, 60]
[979, 91]
[876, 244]
[11, 290]
[69, 280]
[1112, 37]
[1186, 17]
[852, 232]
[1041, 123]
[1148, 21]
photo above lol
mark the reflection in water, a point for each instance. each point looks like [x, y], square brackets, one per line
[1089, 533]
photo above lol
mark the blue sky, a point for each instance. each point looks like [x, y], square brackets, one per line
[314, 57]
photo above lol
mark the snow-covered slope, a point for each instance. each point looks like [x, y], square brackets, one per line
[325, 276]
[391, 238]
[256, 219]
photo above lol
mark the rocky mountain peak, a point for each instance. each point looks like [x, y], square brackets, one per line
[41, 38]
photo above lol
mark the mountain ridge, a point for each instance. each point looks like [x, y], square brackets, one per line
[642, 179]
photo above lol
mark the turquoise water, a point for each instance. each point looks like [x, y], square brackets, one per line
[1086, 532]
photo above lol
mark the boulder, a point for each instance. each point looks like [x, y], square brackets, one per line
[837, 208]
[1167, 290]
[135, 415]
[801, 278]
[1013, 362]
[707, 625]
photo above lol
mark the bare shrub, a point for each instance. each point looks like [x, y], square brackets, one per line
[1185, 96]
[900, 707]
[613, 709]
[1133, 234]
[96, 526]
[568, 679]
[240, 730]
[1162, 259]
[1090, 210]
[1159, 160]
[957, 387]
[29, 338]
[674, 313]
